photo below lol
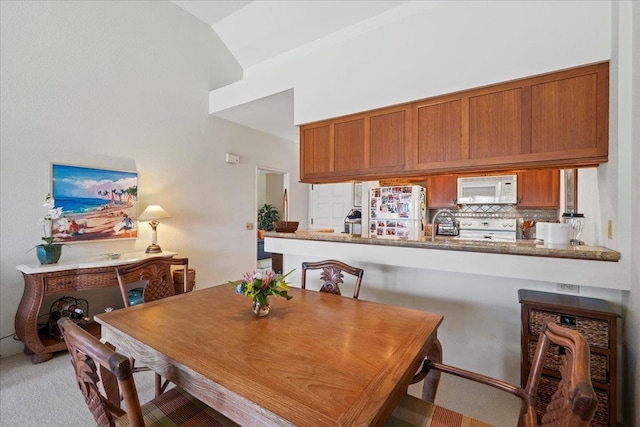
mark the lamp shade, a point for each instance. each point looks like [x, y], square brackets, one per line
[153, 212]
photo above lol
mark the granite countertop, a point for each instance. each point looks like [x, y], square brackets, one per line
[520, 247]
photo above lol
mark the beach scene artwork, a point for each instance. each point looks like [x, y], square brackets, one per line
[97, 204]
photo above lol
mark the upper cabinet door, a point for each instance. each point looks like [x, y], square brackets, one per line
[495, 124]
[389, 132]
[442, 191]
[569, 114]
[439, 133]
[349, 145]
[315, 151]
[539, 189]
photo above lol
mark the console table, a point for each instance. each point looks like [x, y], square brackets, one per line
[75, 275]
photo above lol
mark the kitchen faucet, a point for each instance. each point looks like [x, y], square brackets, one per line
[442, 212]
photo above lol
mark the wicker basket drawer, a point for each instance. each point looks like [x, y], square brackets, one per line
[97, 280]
[58, 284]
[553, 361]
[595, 331]
[548, 386]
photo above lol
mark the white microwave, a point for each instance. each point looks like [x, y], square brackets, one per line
[488, 190]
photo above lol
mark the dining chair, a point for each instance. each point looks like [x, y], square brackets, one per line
[155, 277]
[573, 404]
[332, 275]
[95, 363]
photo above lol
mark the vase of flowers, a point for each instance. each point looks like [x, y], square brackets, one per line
[260, 285]
[49, 252]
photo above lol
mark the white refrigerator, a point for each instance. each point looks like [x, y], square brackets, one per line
[397, 212]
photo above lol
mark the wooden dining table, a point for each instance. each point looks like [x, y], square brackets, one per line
[316, 360]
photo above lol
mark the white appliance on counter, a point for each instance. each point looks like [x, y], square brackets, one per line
[397, 212]
[488, 229]
[488, 190]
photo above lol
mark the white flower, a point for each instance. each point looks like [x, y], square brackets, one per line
[49, 202]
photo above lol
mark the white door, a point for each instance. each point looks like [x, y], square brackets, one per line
[329, 204]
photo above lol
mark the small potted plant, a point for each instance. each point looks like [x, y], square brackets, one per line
[49, 252]
[266, 215]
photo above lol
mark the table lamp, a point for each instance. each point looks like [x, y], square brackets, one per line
[153, 213]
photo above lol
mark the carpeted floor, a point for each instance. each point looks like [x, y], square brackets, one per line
[47, 395]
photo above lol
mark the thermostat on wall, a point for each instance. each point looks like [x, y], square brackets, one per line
[232, 158]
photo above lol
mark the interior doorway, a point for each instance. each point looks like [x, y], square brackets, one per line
[270, 186]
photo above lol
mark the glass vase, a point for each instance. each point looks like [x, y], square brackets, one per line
[259, 309]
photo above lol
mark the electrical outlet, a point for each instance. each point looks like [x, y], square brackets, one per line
[249, 226]
[565, 287]
[610, 229]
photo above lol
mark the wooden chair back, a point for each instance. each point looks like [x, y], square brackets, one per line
[574, 403]
[156, 277]
[95, 362]
[332, 275]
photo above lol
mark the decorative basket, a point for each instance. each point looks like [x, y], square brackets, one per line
[285, 226]
[178, 280]
[553, 361]
[595, 331]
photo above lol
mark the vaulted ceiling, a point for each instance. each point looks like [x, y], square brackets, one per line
[257, 32]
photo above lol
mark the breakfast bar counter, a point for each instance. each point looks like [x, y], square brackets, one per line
[524, 259]
[520, 247]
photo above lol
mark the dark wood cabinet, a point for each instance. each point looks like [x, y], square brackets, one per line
[554, 120]
[360, 146]
[389, 132]
[539, 189]
[495, 124]
[438, 129]
[596, 321]
[442, 191]
[315, 151]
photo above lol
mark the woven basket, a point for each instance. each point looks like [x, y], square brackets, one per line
[553, 361]
[548, 386]
[595, 331]
[178, 280]
[285, 226]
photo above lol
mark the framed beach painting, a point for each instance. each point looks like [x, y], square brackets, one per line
[97, 204]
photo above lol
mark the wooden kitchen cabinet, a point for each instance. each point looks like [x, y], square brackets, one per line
[442, 191]
[539, 189]
[360, 146]
[558, 119]
[315, 151]
[596, 321]
[438, 130]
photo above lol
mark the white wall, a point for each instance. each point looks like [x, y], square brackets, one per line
[125, 85]
[630, 15]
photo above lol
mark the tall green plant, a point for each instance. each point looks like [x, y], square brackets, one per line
[266, 215]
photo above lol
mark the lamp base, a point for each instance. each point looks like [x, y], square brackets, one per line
[153, 249]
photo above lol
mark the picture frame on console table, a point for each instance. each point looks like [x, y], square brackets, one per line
[97, 204]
